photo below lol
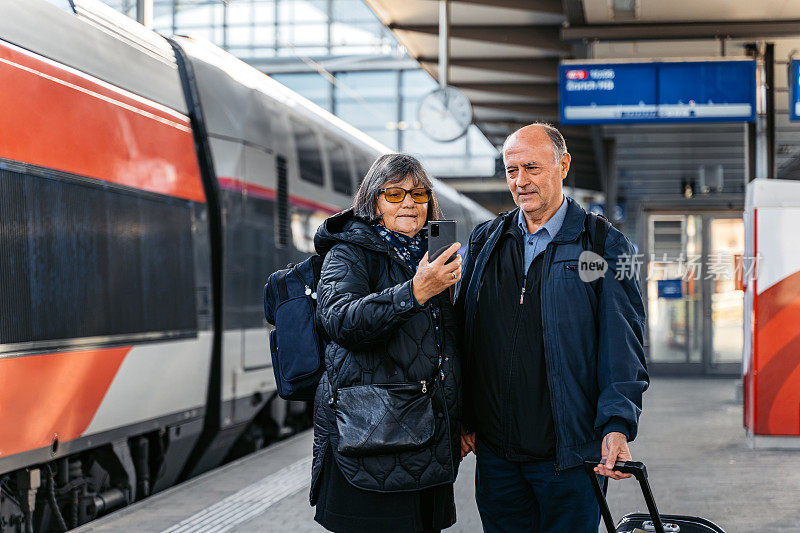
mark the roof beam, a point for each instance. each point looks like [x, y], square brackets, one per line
[541, 37]
[534, 110]
[574, 132]
[280, 65]
[537, 6]
[544, 67]
[683, 30]
[573, 9]
[544, 91]
[509, 123]
[578, 144]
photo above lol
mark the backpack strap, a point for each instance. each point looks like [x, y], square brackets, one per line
[598, 237]
[597, 229]
[283, 292]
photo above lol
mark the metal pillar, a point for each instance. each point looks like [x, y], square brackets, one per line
[750, 150]
[444, 41]
[769, 81]
[399, 110]
[611, 179]
[760, 135]
[224, 25]
[144, 13]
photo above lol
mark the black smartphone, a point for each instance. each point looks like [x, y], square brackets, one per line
[441, 236]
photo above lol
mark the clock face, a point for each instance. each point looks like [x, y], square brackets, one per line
[445, 114]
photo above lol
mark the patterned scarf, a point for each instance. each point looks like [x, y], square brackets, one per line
[408, 250]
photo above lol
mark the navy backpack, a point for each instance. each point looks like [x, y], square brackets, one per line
[298, 341]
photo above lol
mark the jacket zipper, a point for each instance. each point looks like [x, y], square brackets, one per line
[510, 374]
[306, 288]
[437, 334]
[511, 355]
[545, 275]
[423, 382]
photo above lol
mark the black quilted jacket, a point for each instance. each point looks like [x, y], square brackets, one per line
[378, 336]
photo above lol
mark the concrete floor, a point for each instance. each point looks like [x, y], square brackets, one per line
[690, 438]
[699, 463]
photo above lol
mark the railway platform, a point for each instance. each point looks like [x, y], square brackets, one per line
[691, 439]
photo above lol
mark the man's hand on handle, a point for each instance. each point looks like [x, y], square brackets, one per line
[467, 443]
[615, 448]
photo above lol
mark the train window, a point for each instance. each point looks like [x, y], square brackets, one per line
[363, 163]
[340, 168]
[282, 198]
[86, 260]
[257, 256]
[308, 154]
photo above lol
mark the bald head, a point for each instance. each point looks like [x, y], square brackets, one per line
[535, 133]
[536, 162]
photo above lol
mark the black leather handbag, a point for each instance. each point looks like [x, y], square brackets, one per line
[383, 418]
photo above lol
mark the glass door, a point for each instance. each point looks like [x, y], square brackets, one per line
[724, 300]
[694, 307]
[674, 296]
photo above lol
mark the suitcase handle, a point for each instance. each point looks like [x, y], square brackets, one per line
[626, 467]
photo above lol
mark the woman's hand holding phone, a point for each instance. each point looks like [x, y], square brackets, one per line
[434, 277]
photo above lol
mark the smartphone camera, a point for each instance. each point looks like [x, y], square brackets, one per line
[434, 230]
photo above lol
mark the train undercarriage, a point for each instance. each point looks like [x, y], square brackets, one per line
[75, 489]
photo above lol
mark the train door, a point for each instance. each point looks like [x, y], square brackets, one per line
[267, 232]
[259, 259]
[234, 273]
[694, 305]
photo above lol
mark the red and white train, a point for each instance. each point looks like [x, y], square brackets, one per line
[147, 188]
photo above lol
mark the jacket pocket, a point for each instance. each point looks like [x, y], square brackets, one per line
[383, 419]
[565, 268]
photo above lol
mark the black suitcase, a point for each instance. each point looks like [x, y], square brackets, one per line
[641, 522]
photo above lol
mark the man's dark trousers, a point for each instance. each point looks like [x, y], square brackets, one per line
[531, 497]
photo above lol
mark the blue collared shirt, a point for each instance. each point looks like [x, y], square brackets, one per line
[535, 243]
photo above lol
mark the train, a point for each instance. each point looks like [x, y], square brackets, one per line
[148, 186]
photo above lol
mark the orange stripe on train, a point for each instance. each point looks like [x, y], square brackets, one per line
[57, 119]
[42, 396]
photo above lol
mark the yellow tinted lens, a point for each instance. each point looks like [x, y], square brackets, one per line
[394, 194]
[420, 195]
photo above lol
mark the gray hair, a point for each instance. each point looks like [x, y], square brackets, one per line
[386, 170]
[559, 144]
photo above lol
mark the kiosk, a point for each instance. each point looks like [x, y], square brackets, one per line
[770, 272]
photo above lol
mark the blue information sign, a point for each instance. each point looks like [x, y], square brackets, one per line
[794, 89]
[678, 91]
[670, 288]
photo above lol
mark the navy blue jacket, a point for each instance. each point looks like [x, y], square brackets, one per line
[593, 336]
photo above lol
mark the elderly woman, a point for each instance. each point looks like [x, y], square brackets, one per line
[387, 410]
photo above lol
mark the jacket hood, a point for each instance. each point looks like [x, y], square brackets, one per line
[349, 228]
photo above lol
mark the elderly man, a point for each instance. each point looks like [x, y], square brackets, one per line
[554, 366]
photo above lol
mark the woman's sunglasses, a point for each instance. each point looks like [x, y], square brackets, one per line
[395, 195]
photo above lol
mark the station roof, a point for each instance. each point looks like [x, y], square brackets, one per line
[505, 56]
